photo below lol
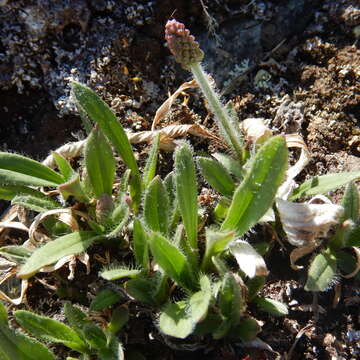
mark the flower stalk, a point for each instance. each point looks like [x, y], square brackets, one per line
[221, 114]
[188, 53]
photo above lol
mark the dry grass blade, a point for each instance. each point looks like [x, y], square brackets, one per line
[288, 356]
[24, 287]
[337, 295]
[13, 225]
[9, 216]
[65, 215]
[163, 110]
[294, 140]
[169, 133]
[68, 151]
[71, 261]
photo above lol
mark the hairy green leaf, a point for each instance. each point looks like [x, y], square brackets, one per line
[256, 193]
[231, 299]
[119, 317]
[156, 206]
[69, 244]
[124, 184]
[350, 203]
[200, 301]
[14, 178]
[352, 237]
[39, 202]
[246, 330]
[216, 242]
[221, 209]
[15, 253]
[103, 299]
[220, 265]
[94, 336]
[73, 187]
[216, 175]
[120, 212]
[25, 168]
[14, 346]
[120, 217]
[323, 184]
[63, 165]
[141, 289]
[114, 350]
[345, 261]
[100, 113]
[3, 315]
[86, 123]
[321, 272]
[100, 163]
[174, 320]
[76, 317]
[151, 162]
[172, 261]
[231, 165]
[170, 186]
[116, 273]
[141, 245]
[222, 330]
[161, 288]
[49, 329]
[254, 285]
[186, 191]
[209, 325]
[271, 306]
[8, 192]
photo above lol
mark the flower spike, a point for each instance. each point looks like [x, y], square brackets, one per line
[182, 44]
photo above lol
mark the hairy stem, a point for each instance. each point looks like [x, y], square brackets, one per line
[217, 108]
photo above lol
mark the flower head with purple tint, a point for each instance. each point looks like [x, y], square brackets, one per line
[182, 44]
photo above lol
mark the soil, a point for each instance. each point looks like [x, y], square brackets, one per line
[294, 63]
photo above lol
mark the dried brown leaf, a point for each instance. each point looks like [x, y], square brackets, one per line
[304, 222]
[294, 140]
[24, 287]
[255, 131]
[248, 259]
[163, 110]
[169, 133]
[67, 216]
[13, 225]
[71, 261]
[68, 151]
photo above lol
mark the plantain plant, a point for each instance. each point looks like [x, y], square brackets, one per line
[196, 280]
[215, 296]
